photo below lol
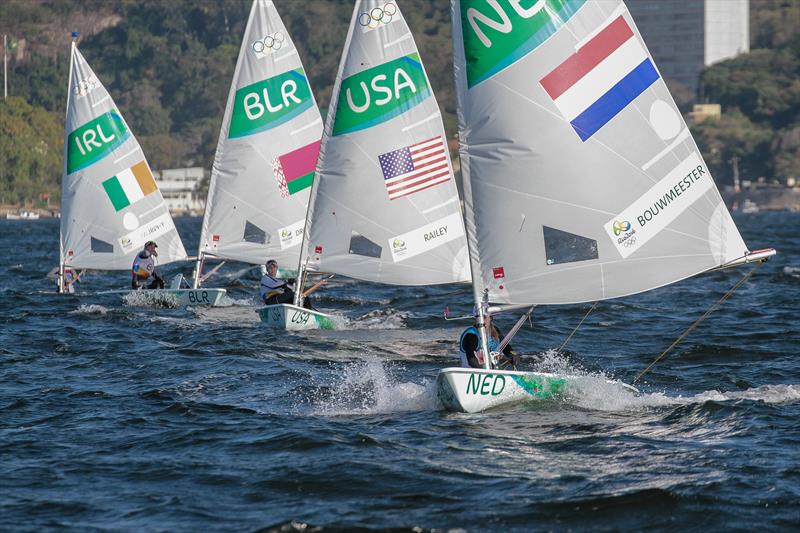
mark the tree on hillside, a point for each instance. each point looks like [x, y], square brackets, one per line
[31, 144]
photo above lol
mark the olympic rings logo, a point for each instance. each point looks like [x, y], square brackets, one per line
[270, 43]
[85, 86]
[377, 16]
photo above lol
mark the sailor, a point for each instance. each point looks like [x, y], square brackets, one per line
[70, 279]
[144, 267]
[274, 290]
[470, 348]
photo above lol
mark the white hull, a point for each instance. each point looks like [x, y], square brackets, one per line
[174, 297]
[471, 390]
[292, 318]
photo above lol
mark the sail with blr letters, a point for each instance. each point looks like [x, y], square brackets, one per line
[582, 181]
[267, 151]
[384, 206]
[110, 203]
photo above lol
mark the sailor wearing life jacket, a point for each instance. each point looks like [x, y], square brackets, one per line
[144, 267]
[470, 347]
[274, 290]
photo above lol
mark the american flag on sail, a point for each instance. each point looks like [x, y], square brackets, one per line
[414, 168]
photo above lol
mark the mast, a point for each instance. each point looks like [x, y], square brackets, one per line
[61, 225]
[301, 262]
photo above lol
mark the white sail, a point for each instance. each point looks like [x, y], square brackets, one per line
[582, 181]
[385, 206]
[267, 150]
[110, 204]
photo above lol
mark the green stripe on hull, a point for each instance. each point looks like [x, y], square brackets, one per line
[541, 388]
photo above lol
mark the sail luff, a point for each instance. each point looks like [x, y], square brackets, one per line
[326, 136]
[212, 186]
[463, 151]
[62, 222]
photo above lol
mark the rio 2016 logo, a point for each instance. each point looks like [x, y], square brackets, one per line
[397, 243]
[621, 227]
[285, 233]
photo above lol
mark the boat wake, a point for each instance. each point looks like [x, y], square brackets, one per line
[90, 309]
[150, 299]
[370, 387]
[387, 318]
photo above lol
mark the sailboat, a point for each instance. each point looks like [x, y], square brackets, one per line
[110, 203]
[582, 181]
[384, 205]
[266, 153]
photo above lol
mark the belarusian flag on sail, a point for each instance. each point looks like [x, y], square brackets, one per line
[130, 185]
[598, 81]
[294, 171]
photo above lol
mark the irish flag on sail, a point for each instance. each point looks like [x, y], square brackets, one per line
[130, 185]
[294, 171]
[601, 78]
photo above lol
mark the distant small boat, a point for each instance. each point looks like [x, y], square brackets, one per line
[749, 206]
[23, 215]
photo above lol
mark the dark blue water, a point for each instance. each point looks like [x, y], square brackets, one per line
[133, 418]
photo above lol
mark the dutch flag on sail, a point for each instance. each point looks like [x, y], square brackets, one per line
[601, 78]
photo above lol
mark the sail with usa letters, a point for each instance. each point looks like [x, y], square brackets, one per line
[110, 202]
[582, 181]
[267, 151]
[385, 206]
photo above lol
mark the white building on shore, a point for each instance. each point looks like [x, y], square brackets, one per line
[181, 189]
[686, 36]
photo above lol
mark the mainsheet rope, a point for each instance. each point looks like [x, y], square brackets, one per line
[697, 322]
[561, 348]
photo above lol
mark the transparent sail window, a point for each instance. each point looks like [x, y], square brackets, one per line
[564, 247]
[360, 245]
[254, 234]
[101, 247]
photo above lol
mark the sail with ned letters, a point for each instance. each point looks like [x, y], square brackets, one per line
[110, 203]
[267, 150]
[582, 181]
[385, 206]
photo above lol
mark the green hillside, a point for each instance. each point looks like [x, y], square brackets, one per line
[168, 65]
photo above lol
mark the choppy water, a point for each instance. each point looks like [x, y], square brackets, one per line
[120, 416]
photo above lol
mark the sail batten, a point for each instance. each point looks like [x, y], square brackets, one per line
[267, 150]
[384, 205]
[110, 202]
[581, 179]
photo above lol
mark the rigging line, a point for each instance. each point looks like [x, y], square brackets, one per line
[697, 322]
[561, 348]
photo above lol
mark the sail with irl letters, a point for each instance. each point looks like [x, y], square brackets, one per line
[582, 180]
[385, 206]
[267, 150]
[110, 203]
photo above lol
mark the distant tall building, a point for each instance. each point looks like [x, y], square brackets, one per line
[686, 35]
